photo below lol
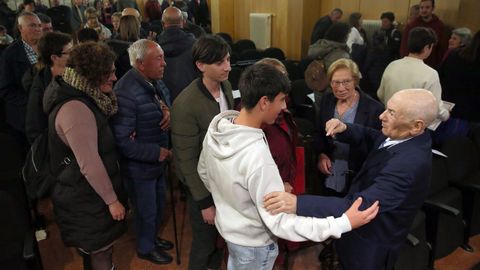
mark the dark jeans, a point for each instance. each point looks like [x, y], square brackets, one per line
[148, 199]
[204, 252]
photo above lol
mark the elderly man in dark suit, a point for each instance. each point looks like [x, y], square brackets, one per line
[16, 60]
[396, 173]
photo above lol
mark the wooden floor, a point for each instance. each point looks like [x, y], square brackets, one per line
[56, 257]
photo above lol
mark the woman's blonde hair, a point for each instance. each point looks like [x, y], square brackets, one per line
[129, 28]
[91, 13]
[275, 63]
[344, 63]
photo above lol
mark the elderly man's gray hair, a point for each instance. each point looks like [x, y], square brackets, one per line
[21, 17]
[138, 50]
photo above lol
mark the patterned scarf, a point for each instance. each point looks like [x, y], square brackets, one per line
[107, 102]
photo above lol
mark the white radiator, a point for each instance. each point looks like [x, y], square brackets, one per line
[261, 29]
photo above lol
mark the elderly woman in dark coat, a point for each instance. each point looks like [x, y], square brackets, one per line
[338, 161]
[88, 199]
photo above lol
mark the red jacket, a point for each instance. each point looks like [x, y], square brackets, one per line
[282, 145]
[439, 49]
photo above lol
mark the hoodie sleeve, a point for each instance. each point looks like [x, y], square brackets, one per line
[202, 169]
[288, 226]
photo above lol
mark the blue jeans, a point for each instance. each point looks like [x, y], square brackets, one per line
[248, 258]
[148, 199]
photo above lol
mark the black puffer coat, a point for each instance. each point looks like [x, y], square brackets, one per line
[83, 217]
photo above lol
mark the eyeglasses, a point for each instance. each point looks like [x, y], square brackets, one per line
[345, 83]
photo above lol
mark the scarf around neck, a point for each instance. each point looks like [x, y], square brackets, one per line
[106, 102]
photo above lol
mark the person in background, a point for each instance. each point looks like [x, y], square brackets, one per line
[134, 12]
[412, 72]
[17, 58]
[413, 13]
[106, 13]
[329, 49]
[61, 16]
[87, 34]
[78, 15]
[460, 37]
[129, 29]
[93, 23]
[199, 13]
[192, 112]
[322, 25]
[383, 50]
[53, 51]
[5, 38]
[188, 25]
[116, 23]
[7, 17]
[123, 4]
[88, 197]
[429, 20]
[29, 75]
[460, 81]
[46, 23]
[141, 131]
[27, 5]
[165, 4]
[153, 16]
[177, 45]
[282, 139]
[40, 7]
[357, 34]
[129, 32]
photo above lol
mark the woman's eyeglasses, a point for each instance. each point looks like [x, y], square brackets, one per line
[344, 83]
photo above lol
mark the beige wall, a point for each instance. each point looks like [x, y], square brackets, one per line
[469, 14]
[293, 20]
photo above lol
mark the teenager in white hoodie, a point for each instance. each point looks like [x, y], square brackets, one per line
[237, 168]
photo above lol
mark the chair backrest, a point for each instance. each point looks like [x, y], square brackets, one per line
[475, 135]
[251, 54]
[227, 37]
[244, 44]
[305, 127]
[463, 157]
[234, 77]
[440, 176]
[370, 26]
[273, 52]
[299, 92]
[303, 64]
[294, 72]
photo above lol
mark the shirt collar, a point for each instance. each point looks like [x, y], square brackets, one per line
[389, 142]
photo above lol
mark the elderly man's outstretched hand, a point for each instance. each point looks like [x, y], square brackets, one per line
[334, 126]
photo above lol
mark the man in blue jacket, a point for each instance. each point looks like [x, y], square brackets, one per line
[396, 173]
[141, 129]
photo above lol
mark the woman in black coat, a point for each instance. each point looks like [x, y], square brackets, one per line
[339, 162]
[53, 49]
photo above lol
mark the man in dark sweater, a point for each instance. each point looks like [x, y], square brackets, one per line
[430, 20]
[177, 45]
